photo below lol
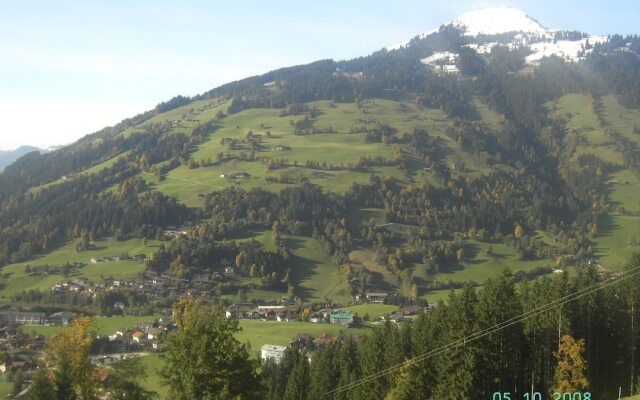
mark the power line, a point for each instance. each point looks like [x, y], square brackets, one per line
[493, 329]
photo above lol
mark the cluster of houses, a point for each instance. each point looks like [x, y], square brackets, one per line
[154, 286]
[306, 341]
[21, 352]
[288, 313]
[137, 257]
[144, 337]
[24, 352]
[301, 341]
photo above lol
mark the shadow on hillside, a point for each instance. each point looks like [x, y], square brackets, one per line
[294, 243]
[606, 226]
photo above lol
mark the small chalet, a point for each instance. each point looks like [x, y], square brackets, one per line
[377, 297]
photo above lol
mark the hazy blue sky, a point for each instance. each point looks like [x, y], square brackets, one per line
[68, 68]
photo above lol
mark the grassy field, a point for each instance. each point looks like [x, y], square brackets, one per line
[627, 191]
[314, 272]
[374, 310]
[487, 115]
[13, 278]
[102, 326]
[5, 389]
[259, 333]
[381, 278]
[581, 119]
[190, 185]
[434, 296]
[479, 266]
[620, 118]
[611, 244]
[364, 215]
[152, 364]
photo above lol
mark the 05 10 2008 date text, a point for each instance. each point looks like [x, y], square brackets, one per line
[538, 396]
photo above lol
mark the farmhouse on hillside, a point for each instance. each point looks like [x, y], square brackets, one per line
[376, 297]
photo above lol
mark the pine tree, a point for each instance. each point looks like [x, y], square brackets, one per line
[632, 298]
[405, 386]
[426, 335]
[324, 372]
[376, 354]
[299, 379]
[348, 367]
[457, 367]
[500, 360]
[541, 331]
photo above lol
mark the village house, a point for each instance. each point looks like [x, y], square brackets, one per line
[21, 318]
[138, 337]
[62, 318]
[153, 333]
[413, 310]
[341, 318]
[316, 319]
[270, 351]
[377, 297]
[285, 316]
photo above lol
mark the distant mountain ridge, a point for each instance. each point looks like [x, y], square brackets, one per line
[8, 157]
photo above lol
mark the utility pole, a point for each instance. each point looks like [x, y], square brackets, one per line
[559, 326]
[619, 392]
[633, 346]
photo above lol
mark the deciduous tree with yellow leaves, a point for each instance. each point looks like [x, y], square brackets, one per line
[68, 352]
[571, 371]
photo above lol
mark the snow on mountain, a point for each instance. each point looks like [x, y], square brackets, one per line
[542, 41]
[570, 50]
[496, 20]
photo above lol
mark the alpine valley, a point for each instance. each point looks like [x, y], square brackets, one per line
[489, 162]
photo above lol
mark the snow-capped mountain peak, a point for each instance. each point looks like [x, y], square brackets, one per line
[497, 20]
[526, 32]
